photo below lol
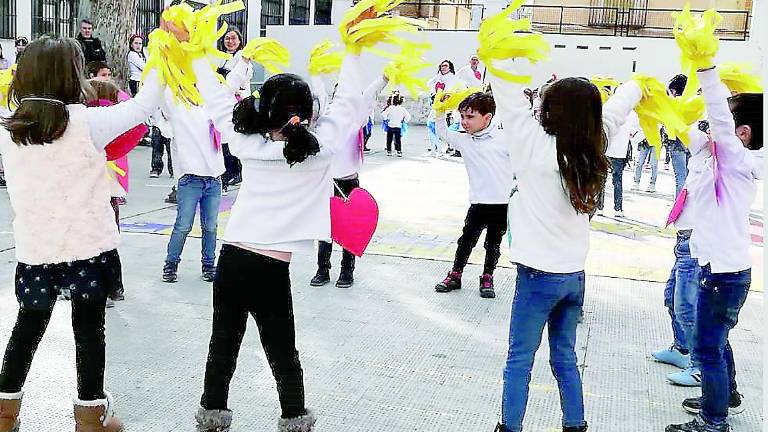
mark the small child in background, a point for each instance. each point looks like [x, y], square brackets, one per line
[98, 70]
[489, 168]
[395, 116]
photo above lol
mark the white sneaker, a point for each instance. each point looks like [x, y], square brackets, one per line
[599, 212]
[619, 214]
[651, 188]
[636, 187]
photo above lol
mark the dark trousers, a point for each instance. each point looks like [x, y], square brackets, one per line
[37, 287]
[233, 168]
[134, 87]
[493, 218]
[394, 133]
[324, 249]
[617, 170]
[721, 296]
[160, 144]
[115, 260]
[248, 283]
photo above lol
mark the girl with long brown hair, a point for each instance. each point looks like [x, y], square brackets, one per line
[560, 166]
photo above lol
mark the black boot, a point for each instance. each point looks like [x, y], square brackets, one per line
[346, 279]
[322, 277]
[575, 428]
[170, 272]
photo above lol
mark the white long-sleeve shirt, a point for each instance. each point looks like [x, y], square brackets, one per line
[486, 156]
[619, 142]
[473, 78]
[136, 65]
[280, 207]
[396, 115]
[721, 235]
[445, 82]
[547, 232]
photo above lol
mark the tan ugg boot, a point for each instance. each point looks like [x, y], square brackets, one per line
[96, 416]
[10, 404]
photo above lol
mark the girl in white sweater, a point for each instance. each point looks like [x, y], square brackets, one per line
[283, 206]
[64, 227]
[560, 166]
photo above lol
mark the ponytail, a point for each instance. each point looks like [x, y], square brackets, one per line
[246, 118]
[300, 143]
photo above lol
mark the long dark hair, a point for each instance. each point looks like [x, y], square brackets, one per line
[450, 66]
[130, 45]
[223, 47]
[50, 68]
[281, 98]
[572, 111]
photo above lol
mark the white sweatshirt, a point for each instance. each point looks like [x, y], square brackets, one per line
[396, 115]
[547, 233]
[60, 191]
[486, 156]
[445, 82]
[619, 142]
[279, 207]
[721, 235]
[470, 77]
[136, 65]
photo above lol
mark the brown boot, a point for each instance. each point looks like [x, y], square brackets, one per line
[96, 416]
[10, 404]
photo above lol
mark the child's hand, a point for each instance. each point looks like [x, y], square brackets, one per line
[181, 34]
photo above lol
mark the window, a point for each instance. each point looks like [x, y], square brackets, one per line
[298, 14]
[7, 19]
[238, 20]
[55, 17]
[323, 12]
[271, 14]
[148, 16]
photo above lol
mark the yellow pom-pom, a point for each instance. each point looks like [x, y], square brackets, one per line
[368, 24]
[322, 61]
[6, 76]
[695, 35]
[173, 59]
[268, 52]
[658, 108]
[604, 83]
[502, 38]
[402, 70]
[446, 101]
[739, 78]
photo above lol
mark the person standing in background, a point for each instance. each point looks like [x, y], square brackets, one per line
[136, 62]
[92, 48]
[472, 73]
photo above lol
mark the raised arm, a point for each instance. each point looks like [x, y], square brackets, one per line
[333, 126]
[451, 137]
[317, 85]
[219, 103]
[240, 76]
[617, 110]
[107, 123]
[730, 149]
[369, 97]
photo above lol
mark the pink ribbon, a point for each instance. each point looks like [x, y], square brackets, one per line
[717, 174]
[677, 207]
[215, 136]
[478, 75]
[361, 142]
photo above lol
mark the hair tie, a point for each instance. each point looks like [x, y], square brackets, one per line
[41, 99]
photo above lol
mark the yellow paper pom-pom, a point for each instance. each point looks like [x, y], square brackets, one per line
[695, 35]
[402, 70]
[173, 59]
[658, 108]
[6, 76]
[322, 61]
[502, 38]
[603, 83]
[450, 100]
[368, 24]
[269, 53]
[739, 78]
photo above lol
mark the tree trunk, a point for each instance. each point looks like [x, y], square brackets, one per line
[114, 22]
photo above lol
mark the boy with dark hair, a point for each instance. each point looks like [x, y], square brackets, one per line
[92, 48]
[483, 145]
[98, 70]
[719, 204]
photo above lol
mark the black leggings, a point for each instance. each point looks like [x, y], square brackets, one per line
[248, 283]
[324, 249]
[37, 287]
[492, 217]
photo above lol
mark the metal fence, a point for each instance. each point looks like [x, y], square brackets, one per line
[7, 19]
[148, 16]
[631, 22]
[54, 17]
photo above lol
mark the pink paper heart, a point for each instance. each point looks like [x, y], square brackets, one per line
[354, 221]
[677, 207]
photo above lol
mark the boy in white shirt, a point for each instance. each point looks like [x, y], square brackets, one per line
[395, 115]
[483, 145]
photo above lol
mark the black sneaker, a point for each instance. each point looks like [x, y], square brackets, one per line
[693, 405]
[209, 273]
[171, 198]
[450, 283]
[3, 185]
[169, 272]
[575, 428]
[117, 295]
[696, 425]
[486, 286]
[321, 278]
[345, 279]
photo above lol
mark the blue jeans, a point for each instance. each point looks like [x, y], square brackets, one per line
[556, 300]
[721, 296]
[680, 166]
[194, 190]
[681, 296]
[645, 150]
[617, 172]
